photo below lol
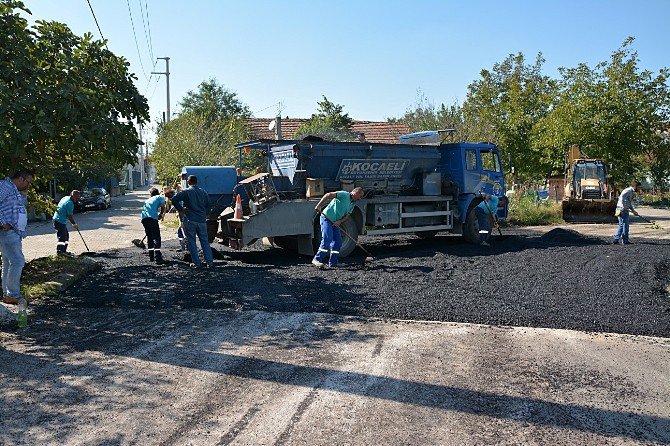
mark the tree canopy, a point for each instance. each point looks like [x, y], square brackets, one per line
[213, 102]
[205, 133]
[65, 100]
[329, 122]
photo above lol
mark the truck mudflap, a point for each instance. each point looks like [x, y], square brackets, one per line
[283, 219]
[589, 211]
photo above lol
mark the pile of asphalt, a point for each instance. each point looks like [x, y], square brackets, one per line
[559, 280]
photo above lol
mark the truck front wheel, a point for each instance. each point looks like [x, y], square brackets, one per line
[471, 227]
[348, 245]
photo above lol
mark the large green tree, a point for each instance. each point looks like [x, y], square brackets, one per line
[214, 102]
[329, 122]
[192, 140]
[64, 99]
[205, 133]
[614, 111]
[505, 105]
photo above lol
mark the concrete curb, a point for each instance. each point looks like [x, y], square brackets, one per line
[64, 280]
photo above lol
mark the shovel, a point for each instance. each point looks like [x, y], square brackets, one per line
[140, 243]
[87, 252]
[652, 223]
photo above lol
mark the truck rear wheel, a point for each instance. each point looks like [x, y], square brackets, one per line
[348, 245]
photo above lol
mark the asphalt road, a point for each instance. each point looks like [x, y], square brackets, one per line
[266, 349]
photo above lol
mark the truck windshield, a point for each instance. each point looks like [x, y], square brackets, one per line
[490, 161]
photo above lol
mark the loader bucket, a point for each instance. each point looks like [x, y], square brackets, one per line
[589, 211]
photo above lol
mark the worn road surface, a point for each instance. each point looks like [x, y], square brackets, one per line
[547, 338]
[197, 377]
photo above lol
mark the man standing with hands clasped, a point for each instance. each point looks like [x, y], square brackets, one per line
[13, 222]
[336, 213]
[64, 213]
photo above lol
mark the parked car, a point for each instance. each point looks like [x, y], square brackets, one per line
[96, 198]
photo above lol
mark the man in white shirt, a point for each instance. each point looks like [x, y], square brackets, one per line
[623, 209]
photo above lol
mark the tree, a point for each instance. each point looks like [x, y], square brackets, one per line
[213, 102]
[613, 111]
[329, 123]
[192, 140]
[505, 105]
[423, 115]
[64, 100]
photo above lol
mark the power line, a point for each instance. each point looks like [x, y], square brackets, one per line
[146, 36]
[96, 22]
[136, 44]
[151, 42]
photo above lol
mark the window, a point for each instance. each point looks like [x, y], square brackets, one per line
[490, 161]
[471, 160]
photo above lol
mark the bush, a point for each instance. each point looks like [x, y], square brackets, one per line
[660, 200]
[524, 211]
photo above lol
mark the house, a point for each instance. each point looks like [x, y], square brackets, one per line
[368, 131]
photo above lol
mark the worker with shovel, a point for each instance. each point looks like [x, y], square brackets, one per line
[337, 212]
[153, 210]
[623, 209]
[63, 213]
[485, 213]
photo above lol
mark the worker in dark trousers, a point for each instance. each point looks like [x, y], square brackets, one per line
[63, 213]
[484, 217]
[337, 212]
[153, 210]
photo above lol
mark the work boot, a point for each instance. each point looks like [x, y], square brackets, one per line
[615, 241]
[317, 263]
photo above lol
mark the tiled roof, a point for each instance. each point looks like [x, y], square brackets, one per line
[375, 131]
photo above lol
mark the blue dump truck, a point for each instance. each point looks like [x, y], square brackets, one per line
[418, 186]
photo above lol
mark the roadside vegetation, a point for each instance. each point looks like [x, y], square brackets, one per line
[38, 275]
[524, 210]
[657, 200]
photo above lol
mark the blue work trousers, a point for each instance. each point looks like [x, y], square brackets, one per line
[12, 262]
[622, 230]
[331, 240]
[484, 223]
[193, 229]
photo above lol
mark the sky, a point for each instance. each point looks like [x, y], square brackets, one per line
[373, 57]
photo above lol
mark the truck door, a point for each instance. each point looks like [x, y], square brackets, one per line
[492, 177]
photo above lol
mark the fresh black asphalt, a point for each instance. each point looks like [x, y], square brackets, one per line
[559, 280]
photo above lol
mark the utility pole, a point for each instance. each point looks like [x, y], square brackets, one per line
[167, 79]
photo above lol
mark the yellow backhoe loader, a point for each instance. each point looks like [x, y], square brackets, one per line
[587, 196]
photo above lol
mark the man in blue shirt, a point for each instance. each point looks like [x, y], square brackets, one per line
[13, 222]
[152, 211]
[194, 207]
[337, 212]
[64, 213]
[484, 217]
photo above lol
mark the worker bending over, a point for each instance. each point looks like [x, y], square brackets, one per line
[623, 209]
[63, 213]
[484, 216]
[153, 210]
[337, 212]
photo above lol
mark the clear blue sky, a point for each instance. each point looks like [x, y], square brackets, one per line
[370, 56]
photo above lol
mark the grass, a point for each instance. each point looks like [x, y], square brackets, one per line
[37, 273]
[524, 212]
[170, 224]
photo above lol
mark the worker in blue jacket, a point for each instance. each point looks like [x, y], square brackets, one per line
[193, 206]
[63, 214]
[335, 214]
[483, 212]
